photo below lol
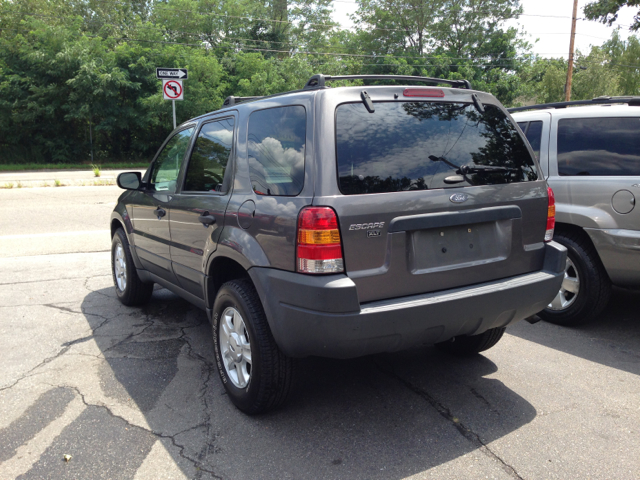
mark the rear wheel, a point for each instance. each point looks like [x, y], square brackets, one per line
[255, 373]
[586, 287]
[129, 288]
[472, 344]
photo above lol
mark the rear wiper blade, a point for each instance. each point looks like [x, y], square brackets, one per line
[434, 158]
[464, 169]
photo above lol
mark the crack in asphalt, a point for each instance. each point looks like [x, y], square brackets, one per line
[199, 463]
[41, 364]
[484, 400]
[465, 431]
[63, 309]
[66, 346]
[207, 366]
[181, 448]
[51, 280]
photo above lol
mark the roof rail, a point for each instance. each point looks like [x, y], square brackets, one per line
[632, 101]
[231, 100]
[319, 80]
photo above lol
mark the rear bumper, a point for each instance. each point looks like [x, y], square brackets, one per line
[322, 316]
[619, 251]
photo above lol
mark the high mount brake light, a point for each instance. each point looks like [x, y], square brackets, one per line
[423, 92]
[319, 247]
[551, 216]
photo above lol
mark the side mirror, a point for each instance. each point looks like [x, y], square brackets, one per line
[129, 180]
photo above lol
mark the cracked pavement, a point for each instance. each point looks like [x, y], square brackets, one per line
[131, 393]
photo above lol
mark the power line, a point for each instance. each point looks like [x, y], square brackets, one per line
[200, 35]
[244, 48]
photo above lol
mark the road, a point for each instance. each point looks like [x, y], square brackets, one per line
[131, 393]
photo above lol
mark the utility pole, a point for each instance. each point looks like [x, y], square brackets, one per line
[567, 88]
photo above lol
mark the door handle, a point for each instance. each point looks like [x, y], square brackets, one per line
[207, 219]
[160, 212]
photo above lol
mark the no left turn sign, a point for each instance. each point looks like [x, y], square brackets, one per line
[172, 90]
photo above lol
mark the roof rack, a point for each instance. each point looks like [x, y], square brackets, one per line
[632, 101]
[231, 100]
[319, 80]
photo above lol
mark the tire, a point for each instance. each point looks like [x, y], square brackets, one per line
[586, 288]
[129, 288]
[256, 375]
[471, 345]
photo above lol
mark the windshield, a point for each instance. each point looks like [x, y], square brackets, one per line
[407, 146]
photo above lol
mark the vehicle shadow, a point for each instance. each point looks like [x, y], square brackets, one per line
[383, 416]
[612, 339]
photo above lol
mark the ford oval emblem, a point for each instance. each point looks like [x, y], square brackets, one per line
[459, 197]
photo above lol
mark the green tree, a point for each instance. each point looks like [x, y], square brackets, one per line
[606, 11]
[594, 76]
[625, 60]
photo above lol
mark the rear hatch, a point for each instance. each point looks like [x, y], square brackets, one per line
[434, 194]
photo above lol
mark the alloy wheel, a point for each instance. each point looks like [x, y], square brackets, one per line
[568, 290]
[120, 267]
[235, 347]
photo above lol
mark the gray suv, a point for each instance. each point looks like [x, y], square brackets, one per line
[590, 155]
[341, 222]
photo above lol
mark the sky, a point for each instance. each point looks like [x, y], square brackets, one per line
[547, 21]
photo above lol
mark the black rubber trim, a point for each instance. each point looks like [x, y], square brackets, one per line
[171, 243]
[452, 219]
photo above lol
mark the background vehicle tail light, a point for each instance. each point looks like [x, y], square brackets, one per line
[319, 247]
[551, 216]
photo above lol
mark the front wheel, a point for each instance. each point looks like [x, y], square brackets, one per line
[472, 344]
[129, 288]
[256, 375]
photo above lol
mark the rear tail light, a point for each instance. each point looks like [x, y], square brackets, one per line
[551, 216]
[423, 92]
[319, 247]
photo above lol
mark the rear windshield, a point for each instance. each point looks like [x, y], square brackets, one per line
[599, 146]
[406, 146]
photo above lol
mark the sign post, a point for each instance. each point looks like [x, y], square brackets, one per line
[172, 88]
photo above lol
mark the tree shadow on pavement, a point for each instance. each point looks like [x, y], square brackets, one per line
[384, 416]
[612, 339]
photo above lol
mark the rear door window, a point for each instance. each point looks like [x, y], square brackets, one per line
[599, 146]
[276, 142]
[209, 157]
[407, 146]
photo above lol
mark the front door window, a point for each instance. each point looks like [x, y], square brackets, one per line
[167, 165]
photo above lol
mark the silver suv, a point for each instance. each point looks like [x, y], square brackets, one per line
[590, 155]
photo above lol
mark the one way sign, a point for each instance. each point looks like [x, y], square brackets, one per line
[172, 73]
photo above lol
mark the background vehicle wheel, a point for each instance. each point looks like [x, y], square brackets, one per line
[255, 373]
[473, 344]
[586, 287]
[129, 288]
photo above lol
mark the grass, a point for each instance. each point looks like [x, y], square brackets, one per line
[57, 183]
[103, 183]
[20, 167]
[8, 185]
[96, 170]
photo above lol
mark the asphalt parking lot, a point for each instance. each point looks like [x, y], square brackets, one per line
[131, 393]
